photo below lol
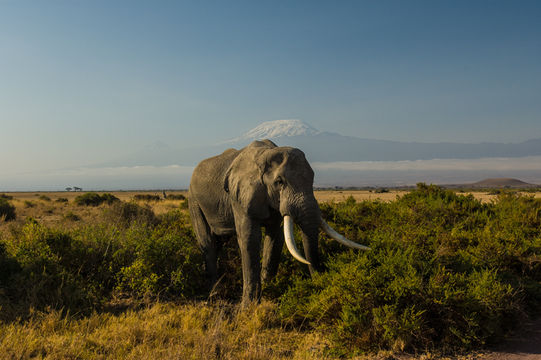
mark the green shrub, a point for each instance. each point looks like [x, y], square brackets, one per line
[72, 216]
[47, 272]
[7, 211]
[95, 199]
[8, 266]
[6, 197]
[29, 204]
[124, 213]
[44, 198]
[61, 200]
[109, 198]
[445, 271]
[176, 197]
[184, 205]
[165, 260]
[82, 269]
[146, 197]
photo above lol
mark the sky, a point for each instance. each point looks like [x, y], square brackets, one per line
[82, 81]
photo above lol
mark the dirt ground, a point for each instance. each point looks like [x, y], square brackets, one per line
[525, 346]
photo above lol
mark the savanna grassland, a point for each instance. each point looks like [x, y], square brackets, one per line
[119, 276]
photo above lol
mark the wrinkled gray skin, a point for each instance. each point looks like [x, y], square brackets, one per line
[241, 191]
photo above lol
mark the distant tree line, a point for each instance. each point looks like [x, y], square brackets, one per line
[74, 188]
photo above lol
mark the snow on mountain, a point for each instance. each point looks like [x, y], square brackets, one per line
[278, 128]
[326, 147]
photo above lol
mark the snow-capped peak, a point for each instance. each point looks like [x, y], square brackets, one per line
[279, 128]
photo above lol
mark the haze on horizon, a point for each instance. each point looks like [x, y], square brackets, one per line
[83, 82]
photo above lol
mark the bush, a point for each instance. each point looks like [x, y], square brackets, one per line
[44, 198]
[445, 271]
[82, 269]
[146, 197]
[95, 199]
[184, 205]
[48, 272]
[176, 197]
[71, 216]
[8, 266]
[61, 200]
[165, 260]
[7, 211]
[124, 213]
[29, 204]
[6, 197]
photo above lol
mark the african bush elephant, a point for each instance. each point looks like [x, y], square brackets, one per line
[241, 191]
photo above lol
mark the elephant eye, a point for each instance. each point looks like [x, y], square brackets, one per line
[279, 181]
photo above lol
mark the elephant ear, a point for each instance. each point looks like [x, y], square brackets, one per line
[243, 182]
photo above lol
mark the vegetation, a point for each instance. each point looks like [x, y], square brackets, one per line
[446, 273]
[176, 197]
[70, 215]
[95, 199]
[7, 211]
[146, 197]
[83, 269]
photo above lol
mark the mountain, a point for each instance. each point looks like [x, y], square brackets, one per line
[276, 129]
[329, 147]
[502, 182]
[337, 160]
[320, 146]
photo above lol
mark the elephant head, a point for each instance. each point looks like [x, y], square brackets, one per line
[268, 181]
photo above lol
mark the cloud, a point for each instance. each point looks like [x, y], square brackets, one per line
[447, 171]
[363, 173]
[530, 163]
[105, 178]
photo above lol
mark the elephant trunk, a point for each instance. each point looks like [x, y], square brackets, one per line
[309, 226]
[305, 213]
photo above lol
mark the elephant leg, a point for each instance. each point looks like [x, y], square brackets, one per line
[207, 242]
[272, 250]
[249, 239]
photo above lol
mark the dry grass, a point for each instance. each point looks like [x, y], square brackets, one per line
[70, 195]
[172, 331]
[59, 214]
[161, 331]
[360, 195]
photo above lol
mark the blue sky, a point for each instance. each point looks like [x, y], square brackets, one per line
[81, 81]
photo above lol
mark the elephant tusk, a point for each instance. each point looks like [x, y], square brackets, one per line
[290, 240]
[341, 239]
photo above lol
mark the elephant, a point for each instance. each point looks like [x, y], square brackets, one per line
[242, 191]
